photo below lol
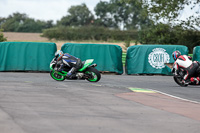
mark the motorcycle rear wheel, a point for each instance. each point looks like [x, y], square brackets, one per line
[94, 73]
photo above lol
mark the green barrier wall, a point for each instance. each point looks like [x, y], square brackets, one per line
[26, 56]
[196, 53]
[150, 59]
[107, 57]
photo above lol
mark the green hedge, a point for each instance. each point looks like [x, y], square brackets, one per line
[89, 33]
[166, 34]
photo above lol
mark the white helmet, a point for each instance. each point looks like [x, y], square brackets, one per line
[58, 53]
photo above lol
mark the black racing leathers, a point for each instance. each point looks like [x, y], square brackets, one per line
[71, 62]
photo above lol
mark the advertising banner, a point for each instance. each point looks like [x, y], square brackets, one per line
[151, 59]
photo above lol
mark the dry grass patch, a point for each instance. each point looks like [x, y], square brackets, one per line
[36, 37]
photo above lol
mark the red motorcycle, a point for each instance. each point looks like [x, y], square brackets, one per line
[179, 75]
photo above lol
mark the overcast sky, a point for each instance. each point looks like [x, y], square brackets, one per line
[51, 9]
[43, 9]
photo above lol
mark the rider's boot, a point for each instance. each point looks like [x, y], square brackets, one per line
[71, 74]
[60, 69]
[185, 82]
[196, 80]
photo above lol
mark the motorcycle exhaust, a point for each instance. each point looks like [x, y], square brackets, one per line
[93, 65]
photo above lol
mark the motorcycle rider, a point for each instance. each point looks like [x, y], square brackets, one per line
[185, 62]
[65, 59]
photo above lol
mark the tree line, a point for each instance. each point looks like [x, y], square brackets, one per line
[152, 21]
[20, 22]
[114, 14]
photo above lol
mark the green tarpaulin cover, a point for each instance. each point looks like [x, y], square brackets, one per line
[107, 57]
[196, 53]
[150, 59]
[26, 56]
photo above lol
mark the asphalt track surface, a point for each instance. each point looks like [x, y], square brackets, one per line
[35, 103]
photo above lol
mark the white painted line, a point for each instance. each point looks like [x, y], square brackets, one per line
[169, 95]
[176, 97]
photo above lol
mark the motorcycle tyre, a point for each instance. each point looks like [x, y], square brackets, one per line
[52, 74]
[94, 72]
[179, 82]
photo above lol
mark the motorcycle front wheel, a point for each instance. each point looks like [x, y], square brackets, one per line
[56, 76]
[179, 81]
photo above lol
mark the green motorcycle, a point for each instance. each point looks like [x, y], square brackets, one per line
[87, 71]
